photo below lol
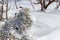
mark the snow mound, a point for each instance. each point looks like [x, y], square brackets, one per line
[40, 29]
[52, 5]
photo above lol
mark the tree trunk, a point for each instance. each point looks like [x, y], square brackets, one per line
[7, 9]
[2, 9]
[58, 6]
[48, 4]
[42, 2]
[43, 5]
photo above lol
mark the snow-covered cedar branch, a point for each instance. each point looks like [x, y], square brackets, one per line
[19, 25]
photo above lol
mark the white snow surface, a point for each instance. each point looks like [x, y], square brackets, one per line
[46, 25]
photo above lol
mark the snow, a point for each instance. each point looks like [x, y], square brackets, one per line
[51, 6]
[44, 29]
[1, 25]
[52, 20]
[52, 36]
[46, 25]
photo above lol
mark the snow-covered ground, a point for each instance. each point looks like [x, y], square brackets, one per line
[46, 24]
